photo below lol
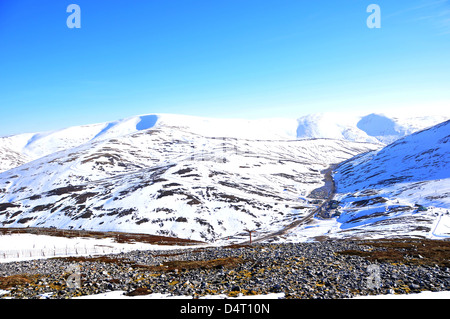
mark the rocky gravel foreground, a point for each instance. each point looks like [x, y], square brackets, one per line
[326, 270]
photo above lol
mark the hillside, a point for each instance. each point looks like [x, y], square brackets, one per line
[168, 181]
[400, 190]
[209, 179]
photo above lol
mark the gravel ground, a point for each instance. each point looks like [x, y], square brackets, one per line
[302, 270]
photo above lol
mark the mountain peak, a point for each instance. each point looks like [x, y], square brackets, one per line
[381, 127]
[372, 128]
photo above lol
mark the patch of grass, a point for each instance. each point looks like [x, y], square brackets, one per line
[118, 237]
[16, 280]
[411, 251]
[239, 246]
[180, 265]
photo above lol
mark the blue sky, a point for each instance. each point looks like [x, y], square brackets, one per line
[217, 58]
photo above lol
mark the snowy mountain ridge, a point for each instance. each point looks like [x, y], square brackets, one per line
[373, 128]
[166, 180]
[401, 190]
[208, 179]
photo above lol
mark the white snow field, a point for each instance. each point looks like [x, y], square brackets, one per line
[18, 247]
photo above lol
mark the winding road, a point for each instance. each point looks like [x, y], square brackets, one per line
[331, 189]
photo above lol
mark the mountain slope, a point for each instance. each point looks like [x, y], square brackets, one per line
[36, 145]
[400, 190]
[169, 181]
[208, 179]
[422, 156]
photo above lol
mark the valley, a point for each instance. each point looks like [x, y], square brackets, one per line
[161, 207]
[175, 176]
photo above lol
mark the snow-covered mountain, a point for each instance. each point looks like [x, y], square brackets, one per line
[198, 178]
[147, 175]
[402, 189]
[373, 128]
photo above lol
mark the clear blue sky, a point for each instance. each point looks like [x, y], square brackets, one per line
[217, 58]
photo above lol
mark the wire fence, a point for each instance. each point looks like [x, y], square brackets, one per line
[58, 251]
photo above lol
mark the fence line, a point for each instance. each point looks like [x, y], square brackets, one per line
[59, 251]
